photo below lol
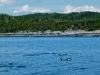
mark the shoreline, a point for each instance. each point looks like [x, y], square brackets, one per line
[53, 34]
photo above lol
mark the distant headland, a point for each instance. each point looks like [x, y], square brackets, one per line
[51, 24]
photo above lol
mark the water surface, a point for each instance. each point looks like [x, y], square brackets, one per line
[40, 55]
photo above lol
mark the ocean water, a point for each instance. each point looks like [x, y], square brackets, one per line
[40, 55]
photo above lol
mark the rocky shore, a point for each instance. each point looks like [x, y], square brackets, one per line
[54, 33]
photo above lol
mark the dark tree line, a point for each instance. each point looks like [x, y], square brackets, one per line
[50, 21]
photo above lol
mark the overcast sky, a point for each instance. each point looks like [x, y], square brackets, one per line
[19, 7]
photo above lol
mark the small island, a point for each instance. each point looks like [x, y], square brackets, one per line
[51, 24]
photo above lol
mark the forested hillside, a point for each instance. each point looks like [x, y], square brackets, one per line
[50, 21]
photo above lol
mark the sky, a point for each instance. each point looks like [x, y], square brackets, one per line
[21, 7]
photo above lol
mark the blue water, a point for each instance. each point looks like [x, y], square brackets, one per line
[40, 55]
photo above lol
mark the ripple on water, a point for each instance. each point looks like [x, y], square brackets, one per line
[4, 70]
[77, 68]
[21, 66]
[38, 54]
[12, 65]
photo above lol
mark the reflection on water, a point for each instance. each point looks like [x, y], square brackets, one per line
[42, 55]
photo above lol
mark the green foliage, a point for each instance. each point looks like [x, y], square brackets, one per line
[50, 21]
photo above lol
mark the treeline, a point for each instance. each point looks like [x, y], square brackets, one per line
[50, 21]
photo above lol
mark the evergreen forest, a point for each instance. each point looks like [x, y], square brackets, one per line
[88, 21]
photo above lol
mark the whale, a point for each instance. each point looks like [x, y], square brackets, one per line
[66, 59]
